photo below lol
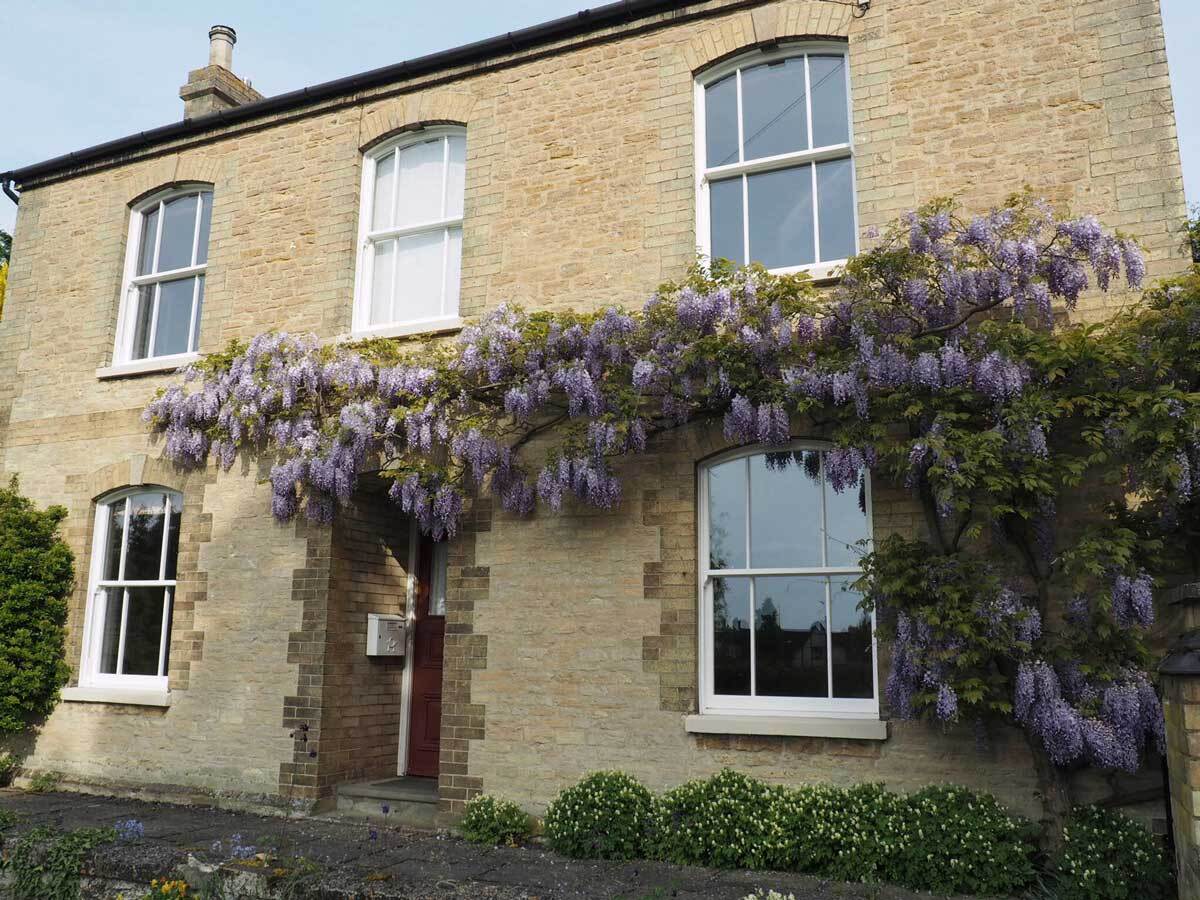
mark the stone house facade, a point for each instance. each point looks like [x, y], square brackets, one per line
[577, 164]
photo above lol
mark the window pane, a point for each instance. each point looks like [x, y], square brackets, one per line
[453, 272]
[846, 525]
[835, 197]
[174, 316]
[789, 637]
[145, 315]
[774, 114]
[148, 237]
[731, 636]
[781, 217]
[720, 122]
[853, 666]
[727, 487]
[143, 630]
[419, 269]
[205, 227]
[112, 599]
[437, 587]
[115, 537]
[144, 553]
[420, 197]
[195, 345]
[178, 233]
[456, 176]
[830, 113]
[785, 514]
[725, 213]
[173, 538]
[385, 179]
[381, 283]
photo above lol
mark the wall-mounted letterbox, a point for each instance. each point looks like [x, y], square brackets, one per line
[385, 635]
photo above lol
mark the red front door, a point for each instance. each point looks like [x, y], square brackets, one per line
[429, 636]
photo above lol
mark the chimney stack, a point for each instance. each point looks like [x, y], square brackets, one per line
[215, 87]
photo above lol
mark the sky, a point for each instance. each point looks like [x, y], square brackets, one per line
[77, 72]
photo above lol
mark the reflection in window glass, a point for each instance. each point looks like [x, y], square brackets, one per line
[727, 515]
[830, 113]
[720, 115]
[774, 114]
[731, 636]
[781, 217]
[785, 514]
[728, 234]
[789, 637]
[131, 608]
[789, 624]
[853, 662]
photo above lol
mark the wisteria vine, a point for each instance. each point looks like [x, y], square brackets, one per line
[940, 362]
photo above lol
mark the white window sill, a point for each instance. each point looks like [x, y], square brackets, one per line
[147, 366]
[404, 329]
[788, 726]
[127, 696]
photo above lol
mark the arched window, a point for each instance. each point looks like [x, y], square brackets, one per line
[781, 631]
[775, 163]
[165, 262]
[410, 248]
[135, 552]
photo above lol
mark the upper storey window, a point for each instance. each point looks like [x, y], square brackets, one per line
[164, 276]
[411, 225]
[775, 160]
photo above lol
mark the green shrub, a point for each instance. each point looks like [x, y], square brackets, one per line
[953, 841]
[1109, 856]
[36, 576]
[842, 833]
[490, 820]
[605, 816]
[729, 820]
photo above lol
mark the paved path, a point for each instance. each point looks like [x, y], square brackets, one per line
[356, 860]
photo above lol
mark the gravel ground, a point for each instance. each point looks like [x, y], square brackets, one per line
[346, 859]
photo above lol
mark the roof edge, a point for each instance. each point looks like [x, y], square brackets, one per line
[576, 24]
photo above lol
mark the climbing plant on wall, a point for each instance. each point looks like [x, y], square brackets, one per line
[942, 362]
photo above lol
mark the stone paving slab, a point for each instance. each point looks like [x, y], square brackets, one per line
[355, 860]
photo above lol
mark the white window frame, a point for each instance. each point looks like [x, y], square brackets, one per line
[712, 703]
[90, 675]
[131, 281]
[365, 265]
[705, 176]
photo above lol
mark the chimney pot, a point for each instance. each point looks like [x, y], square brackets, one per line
[221, 39]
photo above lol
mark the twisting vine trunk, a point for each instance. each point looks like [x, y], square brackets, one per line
[1054, 786]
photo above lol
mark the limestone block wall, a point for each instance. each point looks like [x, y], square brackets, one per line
[580, 192]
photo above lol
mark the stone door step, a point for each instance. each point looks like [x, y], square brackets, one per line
[407, 801]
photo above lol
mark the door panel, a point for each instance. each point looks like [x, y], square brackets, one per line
[429, 636]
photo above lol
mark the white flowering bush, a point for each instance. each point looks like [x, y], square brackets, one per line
[491, 820]
[843, 833]
[1109, 856]
[950, 840]
[729, 820]
[760, 894]
[605, 816]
